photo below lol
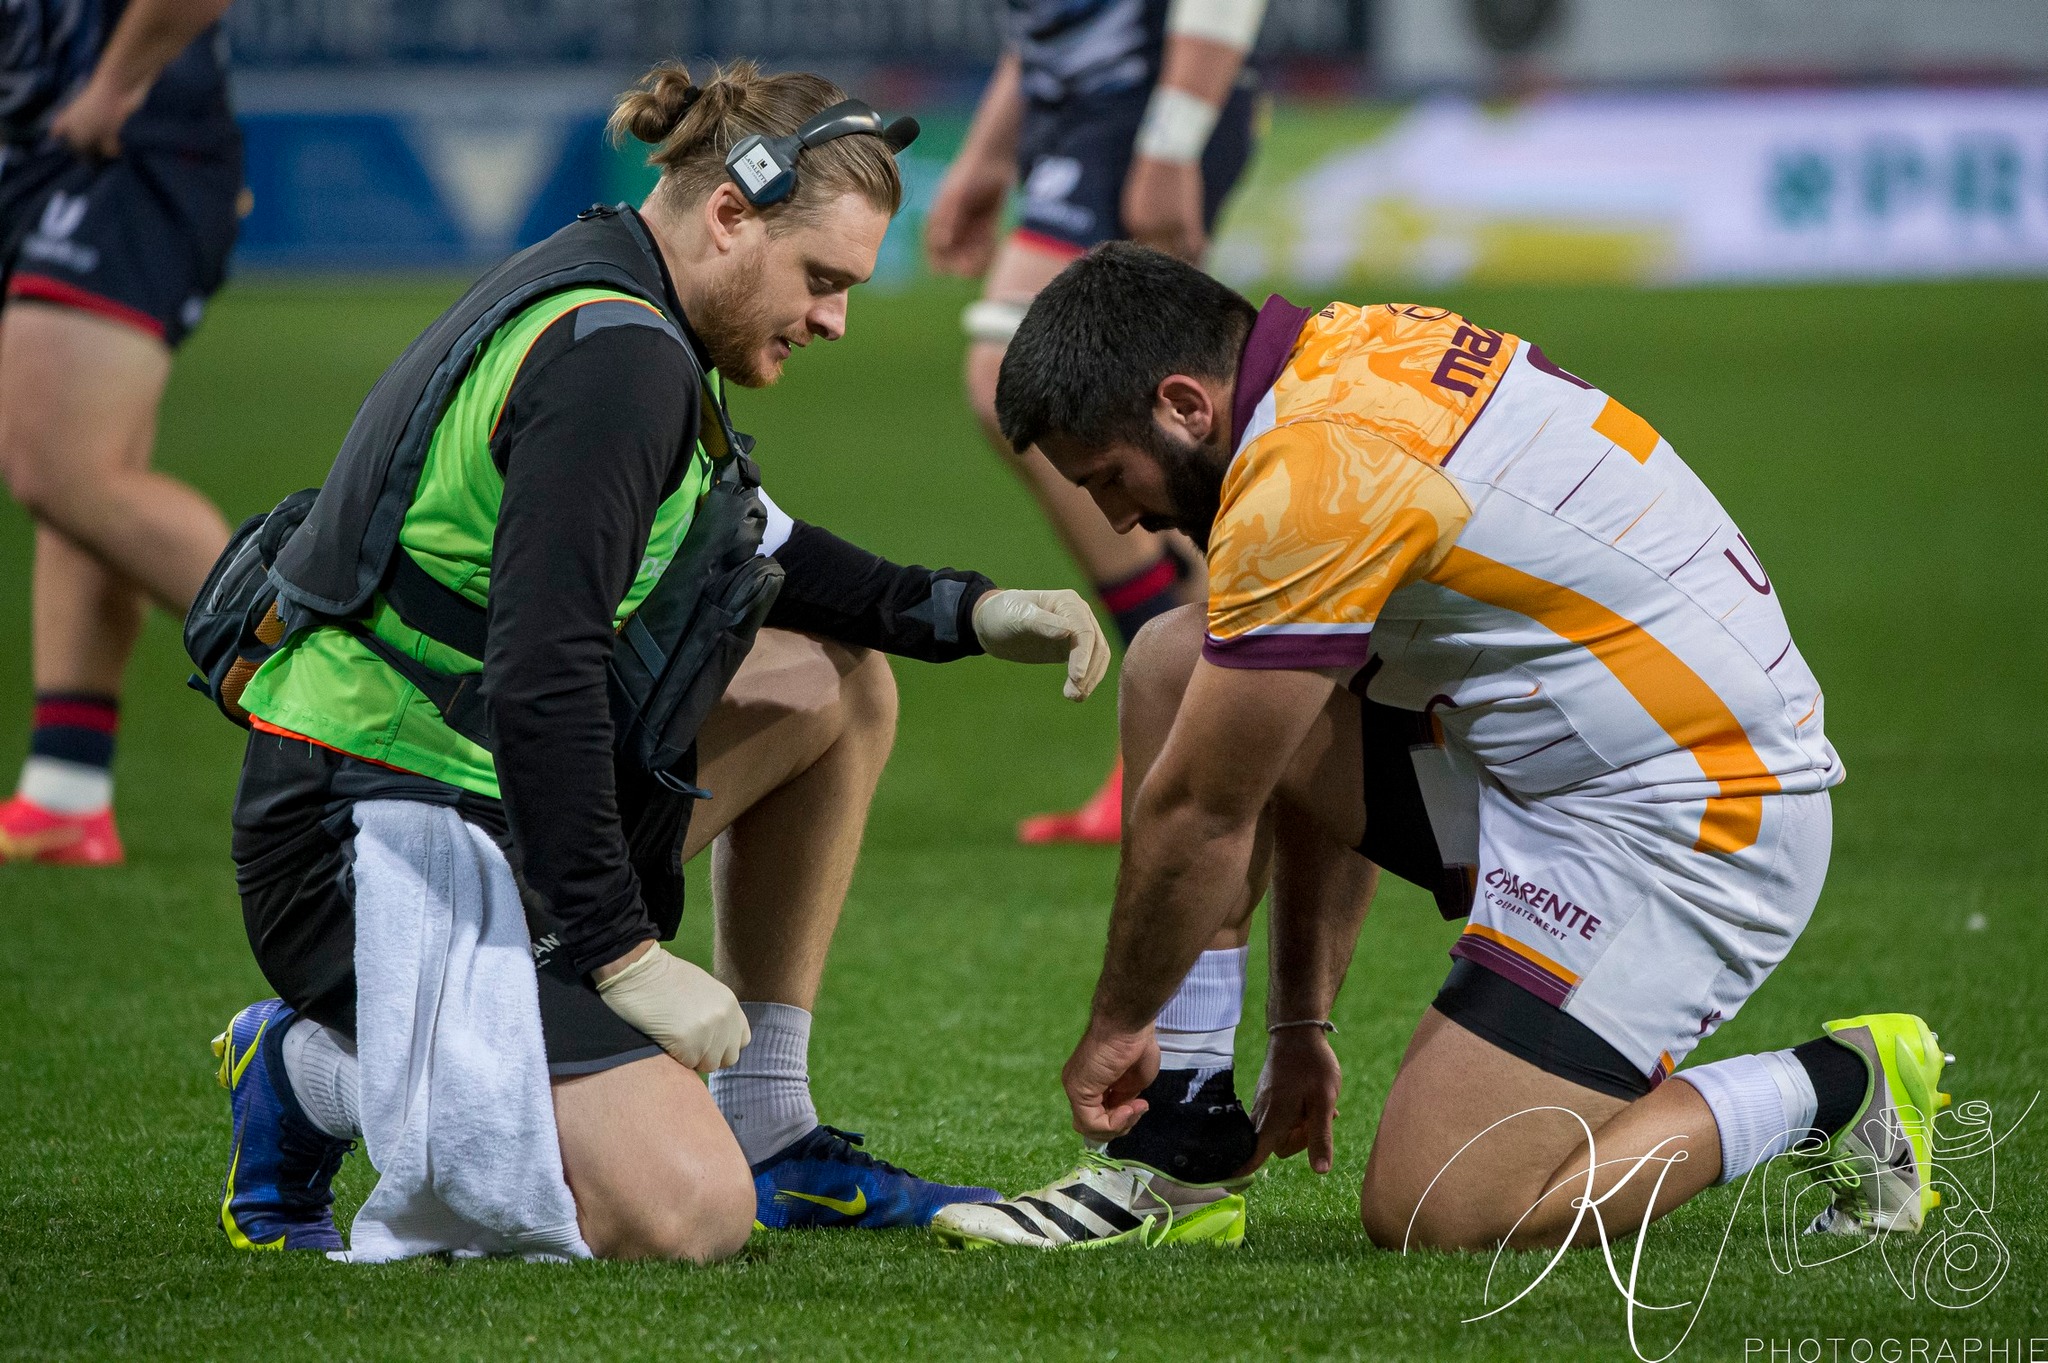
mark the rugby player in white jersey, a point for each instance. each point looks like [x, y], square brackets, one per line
[1114, 118]
[1621, 760]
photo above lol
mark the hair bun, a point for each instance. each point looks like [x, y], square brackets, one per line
[655, 107]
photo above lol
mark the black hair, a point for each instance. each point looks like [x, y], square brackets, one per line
[1091, 352]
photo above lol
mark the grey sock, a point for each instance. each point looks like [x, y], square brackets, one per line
[766, 1097]
[320, 1064]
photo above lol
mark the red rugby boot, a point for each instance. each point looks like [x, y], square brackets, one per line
[30, 833]
[1099, 822]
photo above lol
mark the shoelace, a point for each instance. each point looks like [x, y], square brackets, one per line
[847, 1150]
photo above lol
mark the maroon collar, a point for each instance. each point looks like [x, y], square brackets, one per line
[1265, 355]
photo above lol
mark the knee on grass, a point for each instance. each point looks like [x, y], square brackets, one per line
[696, 1213]
[1446, 1221]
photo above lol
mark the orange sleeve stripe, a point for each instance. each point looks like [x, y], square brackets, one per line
[1627, 430]
[1675, 696]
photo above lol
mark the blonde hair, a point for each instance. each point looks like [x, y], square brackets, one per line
[692, 127]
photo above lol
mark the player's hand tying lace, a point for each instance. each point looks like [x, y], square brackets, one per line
[1044, 627]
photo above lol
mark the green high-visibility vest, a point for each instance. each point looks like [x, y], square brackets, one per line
[326, 685]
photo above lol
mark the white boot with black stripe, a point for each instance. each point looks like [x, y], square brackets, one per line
[1102, 1201]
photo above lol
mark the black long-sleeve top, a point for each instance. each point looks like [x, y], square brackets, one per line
[598, 429]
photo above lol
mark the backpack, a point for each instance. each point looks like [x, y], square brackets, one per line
[234, 625]
[672, 660]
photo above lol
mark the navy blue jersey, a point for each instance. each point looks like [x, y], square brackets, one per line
[49, 47]
[1085, 47]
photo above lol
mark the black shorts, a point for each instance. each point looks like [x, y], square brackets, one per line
[294, 832]
[1496, 1009]
[142, 239]
[1072, 157]
[1398, 834]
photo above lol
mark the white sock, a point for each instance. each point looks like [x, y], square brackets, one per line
[1763, 1105]
[65, 787]
[766, 1097]
[1197, 1028]
[320, 1064]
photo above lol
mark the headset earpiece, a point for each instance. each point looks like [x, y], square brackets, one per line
[902, 133]
[764, 168]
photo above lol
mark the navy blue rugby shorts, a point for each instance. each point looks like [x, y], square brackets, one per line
[142, 239]
[1073, 155]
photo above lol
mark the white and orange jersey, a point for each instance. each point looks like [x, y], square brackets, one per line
[1518, 554]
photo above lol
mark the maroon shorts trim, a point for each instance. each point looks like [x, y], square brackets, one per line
[43, 289]
[1050, 244]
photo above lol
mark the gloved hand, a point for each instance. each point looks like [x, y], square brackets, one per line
[686, 1010]
[1044, 627]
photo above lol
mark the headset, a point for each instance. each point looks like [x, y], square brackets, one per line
[764, 168]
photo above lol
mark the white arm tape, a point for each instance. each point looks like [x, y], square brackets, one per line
[1234, 23]
[1176, 127]
[993, 320]
[777, 532]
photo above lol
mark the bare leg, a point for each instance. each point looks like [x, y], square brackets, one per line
[653, 1169]
[1020, 271]
[87, 617]
[78, 396]
[1155, 677]
[792, 755]
[1517, 1183]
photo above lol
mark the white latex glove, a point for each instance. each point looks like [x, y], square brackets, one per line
[686, 1010]
[1044, 627]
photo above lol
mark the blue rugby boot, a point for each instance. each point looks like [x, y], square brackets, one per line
[279, 1190]
[824, 1178]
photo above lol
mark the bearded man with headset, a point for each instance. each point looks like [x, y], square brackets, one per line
[527, 477]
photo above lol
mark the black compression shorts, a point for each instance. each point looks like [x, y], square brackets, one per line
[1502, 1012]
[294, 829]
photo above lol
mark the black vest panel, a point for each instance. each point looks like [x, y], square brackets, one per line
[337, 559]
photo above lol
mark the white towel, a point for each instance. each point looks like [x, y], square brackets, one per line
[456, 1110]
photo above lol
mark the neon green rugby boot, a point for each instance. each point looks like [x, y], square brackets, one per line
[1882, 1161]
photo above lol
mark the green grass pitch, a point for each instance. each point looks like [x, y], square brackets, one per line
[1883, 448]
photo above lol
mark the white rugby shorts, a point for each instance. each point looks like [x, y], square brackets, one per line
[1601, 905]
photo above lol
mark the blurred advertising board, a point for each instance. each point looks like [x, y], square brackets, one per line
[349, 172]
[1654, 188]
[1657, 188]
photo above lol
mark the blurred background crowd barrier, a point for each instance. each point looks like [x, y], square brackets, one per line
[1424, 140]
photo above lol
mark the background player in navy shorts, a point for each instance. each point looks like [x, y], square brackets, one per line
[119, 181]
[1121, 119]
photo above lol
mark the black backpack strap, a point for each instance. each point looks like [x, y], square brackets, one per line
[458, 696]
[440, 612]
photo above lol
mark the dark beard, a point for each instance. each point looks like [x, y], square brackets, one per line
[734, 333]
[1194, 481]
